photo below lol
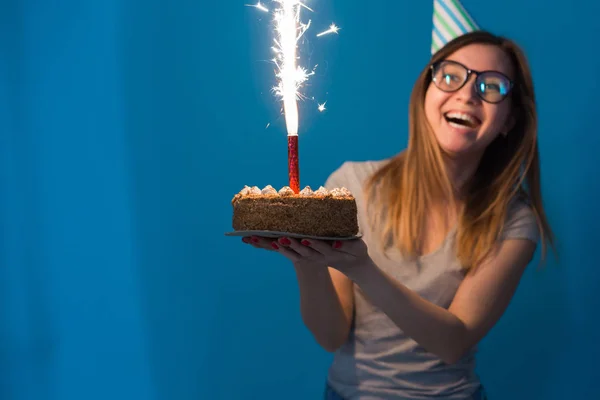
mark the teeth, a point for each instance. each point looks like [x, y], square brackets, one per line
[463, 116]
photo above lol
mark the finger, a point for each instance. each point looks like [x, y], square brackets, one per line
[353, 247]
[322, 247]
[261, 242]
[300, 247]
[286, 252]
[254, 242]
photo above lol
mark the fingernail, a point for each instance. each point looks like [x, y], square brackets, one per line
[274, 245]
[246, 240]
[285, 241]
[255, 239]
[305, 242]
[337, 244]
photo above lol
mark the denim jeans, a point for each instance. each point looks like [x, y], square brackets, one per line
[330, 394]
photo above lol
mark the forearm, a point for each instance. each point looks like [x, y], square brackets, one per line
[435, 328]
[321, 308]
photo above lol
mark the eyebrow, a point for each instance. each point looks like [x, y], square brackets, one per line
[508, 75]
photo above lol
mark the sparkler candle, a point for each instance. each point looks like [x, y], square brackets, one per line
[293, 164]
[289, 30]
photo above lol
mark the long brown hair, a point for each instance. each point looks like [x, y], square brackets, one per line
[402, 192]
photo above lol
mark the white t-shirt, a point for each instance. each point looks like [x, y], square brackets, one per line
[378, 361]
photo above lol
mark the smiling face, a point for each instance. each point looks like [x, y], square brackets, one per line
[464, 124]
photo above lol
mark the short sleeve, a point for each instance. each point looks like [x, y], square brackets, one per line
[521, 223]
[338, 178]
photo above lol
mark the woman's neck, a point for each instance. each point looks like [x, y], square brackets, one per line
[460, 170]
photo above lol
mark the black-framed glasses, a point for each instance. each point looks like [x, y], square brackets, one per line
[491, 86]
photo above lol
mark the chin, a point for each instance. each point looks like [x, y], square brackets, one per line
[463, 153]
[454, 153]
[457, 148]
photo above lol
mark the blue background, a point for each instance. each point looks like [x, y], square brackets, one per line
[126, 126]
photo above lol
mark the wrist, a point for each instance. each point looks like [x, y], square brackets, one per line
[311, 270]
[364, 273]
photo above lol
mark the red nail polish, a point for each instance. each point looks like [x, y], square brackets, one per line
[337, 244]
[274, 245]
[305, 242]
[255, 240]
[285, 241]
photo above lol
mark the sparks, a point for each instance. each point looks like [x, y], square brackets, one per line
[290, 76]
[258, 5]
[332, 29]
[289, 29]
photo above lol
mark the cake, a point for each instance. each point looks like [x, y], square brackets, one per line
[321, 213]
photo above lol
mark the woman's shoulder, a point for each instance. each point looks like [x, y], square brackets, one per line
[354, 173]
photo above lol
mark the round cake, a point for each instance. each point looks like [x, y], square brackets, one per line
[320, 213]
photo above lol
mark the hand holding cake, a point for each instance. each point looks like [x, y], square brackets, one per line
[345, 256]
[295, 250]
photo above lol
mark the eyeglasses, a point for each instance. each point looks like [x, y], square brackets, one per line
[491, 86]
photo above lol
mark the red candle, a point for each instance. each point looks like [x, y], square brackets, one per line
[293, 170]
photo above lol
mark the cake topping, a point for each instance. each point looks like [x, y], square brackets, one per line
[340, 192]
[245, 191]
[269, 190]
[307, 191]
[286, 191]
[321, 191]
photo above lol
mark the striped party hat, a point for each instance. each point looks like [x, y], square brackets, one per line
[450, 20]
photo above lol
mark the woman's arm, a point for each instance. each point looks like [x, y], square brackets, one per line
[479, 303]
[326, 304]
[326, 295]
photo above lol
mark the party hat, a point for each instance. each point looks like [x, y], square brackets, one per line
[450, 20]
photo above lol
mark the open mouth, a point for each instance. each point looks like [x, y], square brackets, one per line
[462, 120]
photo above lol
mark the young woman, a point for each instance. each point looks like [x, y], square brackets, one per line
[449, 225]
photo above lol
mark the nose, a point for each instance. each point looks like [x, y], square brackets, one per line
[467, 93]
